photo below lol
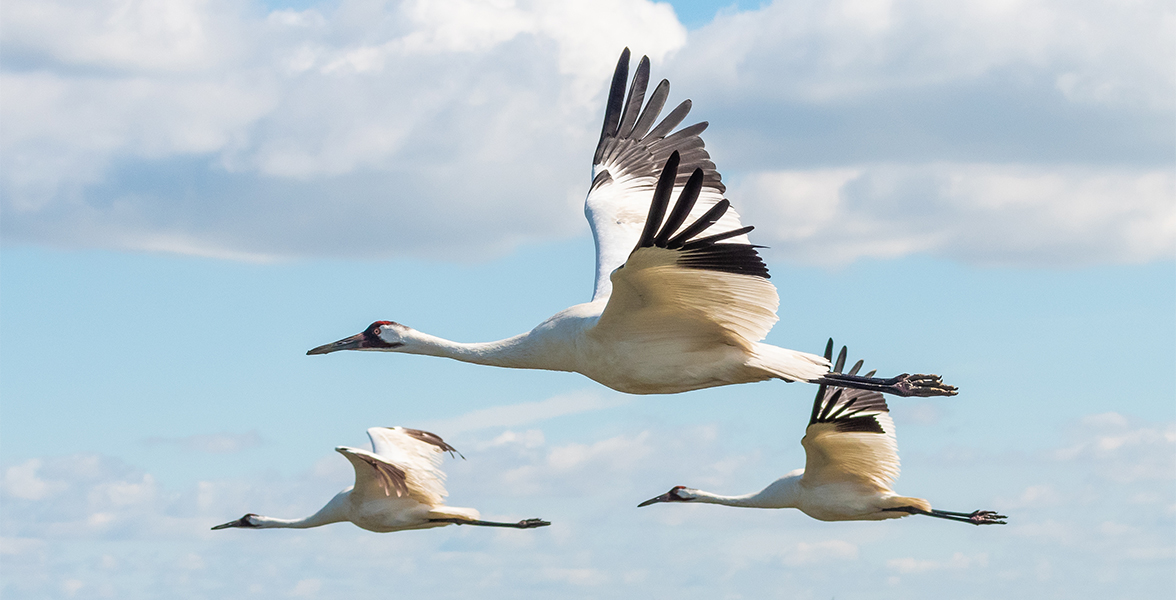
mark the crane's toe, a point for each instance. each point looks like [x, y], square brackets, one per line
[921, 385]
[987, 517]
[532, 523]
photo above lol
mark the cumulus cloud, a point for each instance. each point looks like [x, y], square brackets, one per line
[977, 213]
[1027, 132]
[845, 49]
[1122, 451]
[362, 129]
[514, 415]
[21, 481]
[813, 553]
[957, 561]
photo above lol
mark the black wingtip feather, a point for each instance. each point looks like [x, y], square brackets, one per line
[635, 99]
[701, 253]
[710, 217]
[681, 209]
[434, 439]
[671, 121]
[661, 199]
[848, 411]
[616, 102]
[657, 101]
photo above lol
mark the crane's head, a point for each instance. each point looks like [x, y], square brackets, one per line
[678, 493]
[381, 335]
[249, 521]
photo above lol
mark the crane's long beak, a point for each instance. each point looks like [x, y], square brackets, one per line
[237, 523]
[351, 343]
[662, 498]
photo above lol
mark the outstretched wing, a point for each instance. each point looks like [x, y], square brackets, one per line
[404, 462]
[374, 475]
[850, 437]
[625, 169]
[683, 283]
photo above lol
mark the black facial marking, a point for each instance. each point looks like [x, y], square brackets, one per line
[371, 337]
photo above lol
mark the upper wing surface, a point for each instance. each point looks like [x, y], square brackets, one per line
[628, 160]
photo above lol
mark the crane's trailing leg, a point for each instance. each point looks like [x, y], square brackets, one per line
[524, 524]
[976, 517]
[902, 385]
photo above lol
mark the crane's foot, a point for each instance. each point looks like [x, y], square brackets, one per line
[532, 523]
[902, 385]
[922, 385]
[986, 517]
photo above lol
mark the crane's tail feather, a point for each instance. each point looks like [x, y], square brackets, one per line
[789, 365]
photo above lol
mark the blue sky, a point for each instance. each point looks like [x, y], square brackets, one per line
[194, 196]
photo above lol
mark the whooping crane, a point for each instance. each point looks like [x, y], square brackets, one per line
[673, 310]
[851, 460]
[398, 486]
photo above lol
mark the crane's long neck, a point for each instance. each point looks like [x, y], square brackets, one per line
[333, 512]
[783, 493]
[530, 350]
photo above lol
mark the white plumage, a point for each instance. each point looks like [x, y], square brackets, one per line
[681, 302]
[851, 462]
[399, 485]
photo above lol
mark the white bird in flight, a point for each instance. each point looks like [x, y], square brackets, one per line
[681, 303]
[398, 486]
[851, 461]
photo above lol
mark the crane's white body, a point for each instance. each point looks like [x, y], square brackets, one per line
[398, 486]
[841, 501]
[851, 462]
[652, 351]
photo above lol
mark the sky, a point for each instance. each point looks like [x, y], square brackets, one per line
[194, 193]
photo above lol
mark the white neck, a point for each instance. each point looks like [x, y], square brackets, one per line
[783, 493]
[333, 512]
[525, 351]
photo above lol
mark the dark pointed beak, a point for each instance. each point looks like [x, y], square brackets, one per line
[238, 523]
[662, 498]
[351, 343]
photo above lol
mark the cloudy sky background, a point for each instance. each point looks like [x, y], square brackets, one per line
[195, 192]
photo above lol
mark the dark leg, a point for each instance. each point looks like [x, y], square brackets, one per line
[978, 517]
[903, 385]
[524, 524]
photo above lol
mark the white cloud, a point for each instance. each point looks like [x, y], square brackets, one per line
[958, 561]
[1094, 51]
[804, 553]
[409, 121]
[577, 577]
[1122, 451]
[1028, 131]
[978, 213]
[525, 413]
[21, 481]
[306, 588]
